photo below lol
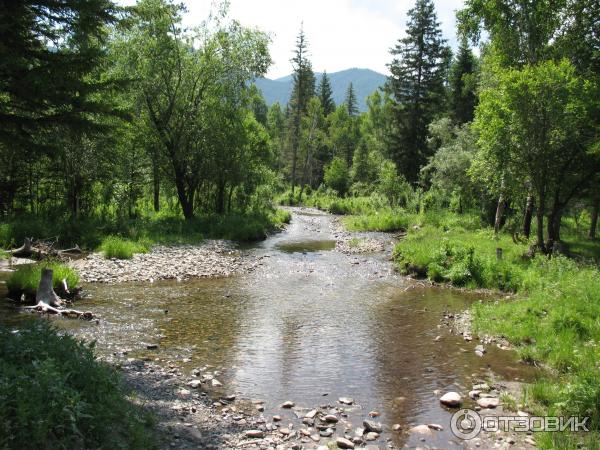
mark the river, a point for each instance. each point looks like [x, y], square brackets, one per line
[309, 324]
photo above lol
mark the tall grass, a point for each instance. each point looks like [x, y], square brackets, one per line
[119, 248]
[55, 394]
[26, 278]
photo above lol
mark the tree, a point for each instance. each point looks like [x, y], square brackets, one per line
[532, 125]
[302, 91]
[447, 170]
[350, 101]
[344, 133]
[193, 87]
[418, 72]
[463, 82]
[325, 95]
[50, 51]
[337, 176]
[520, 31]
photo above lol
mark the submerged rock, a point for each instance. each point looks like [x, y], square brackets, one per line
[372, 426]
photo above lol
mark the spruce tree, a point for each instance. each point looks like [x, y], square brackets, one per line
[49, 54]
[419, 69]
[351, 101]
[462, 85]
[325, 95]
[303, 90]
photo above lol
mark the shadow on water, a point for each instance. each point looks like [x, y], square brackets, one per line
[307, 325]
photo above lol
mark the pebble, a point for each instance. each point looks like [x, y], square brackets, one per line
[373, 426]
[452, 399]
[255, 434]
[421, 429]
[330, 418]
[346, 400]
[372, 436]
[288, 405]
[311, 414]
[195, 384]
[344, 443]
[489, 402]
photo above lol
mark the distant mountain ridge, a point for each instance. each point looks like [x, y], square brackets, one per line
[365, 82]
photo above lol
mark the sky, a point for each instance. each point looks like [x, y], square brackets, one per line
[341, 34]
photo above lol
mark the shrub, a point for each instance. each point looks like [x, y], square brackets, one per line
[26, 278]
[55, 394]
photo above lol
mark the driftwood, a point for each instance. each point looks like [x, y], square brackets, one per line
[50, 303]
[39, 249]
[24, 251]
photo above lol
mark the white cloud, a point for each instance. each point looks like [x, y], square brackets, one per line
[341, 33]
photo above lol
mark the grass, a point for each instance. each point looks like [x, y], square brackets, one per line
[55, 394]
[26, 278]
[161, 228]
[556, 322]
[387, 220]
[119, 248]
[462, 257]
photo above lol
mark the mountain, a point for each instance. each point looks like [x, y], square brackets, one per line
[365, 82]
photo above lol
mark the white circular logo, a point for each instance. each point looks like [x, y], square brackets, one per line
[465, 424]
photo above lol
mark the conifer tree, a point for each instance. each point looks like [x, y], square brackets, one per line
[419, 69]
[325, 95]
[462, 85]
[351, 101]
[302, 91]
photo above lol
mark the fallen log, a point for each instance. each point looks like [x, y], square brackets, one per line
[24, 251]
[50, 303]
[70, 251]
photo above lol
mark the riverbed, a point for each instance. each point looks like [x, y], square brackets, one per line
[308, 324]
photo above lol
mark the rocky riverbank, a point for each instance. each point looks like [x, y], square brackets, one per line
[210, 259]
[195, 411]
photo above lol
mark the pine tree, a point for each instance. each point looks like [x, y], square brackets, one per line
[49, 54]
[351, 101]
[325, 95]
[419, 69]
[303, 90]
[462, 85]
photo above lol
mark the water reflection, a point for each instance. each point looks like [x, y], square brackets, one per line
[308, 325]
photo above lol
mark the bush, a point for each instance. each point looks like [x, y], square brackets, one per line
[55, 394]
[26, 278]
[119, 248]
[337, 176]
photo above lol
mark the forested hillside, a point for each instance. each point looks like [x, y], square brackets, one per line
[364, 81]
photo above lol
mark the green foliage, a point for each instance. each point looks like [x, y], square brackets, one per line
[556, 323]
[418, 72]
[119, 248]
[448, 249]
[350, 101]
[27, 277]
[325, 94]
[392, 220]
[55, 394]
[337, 176]
[393, 186]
